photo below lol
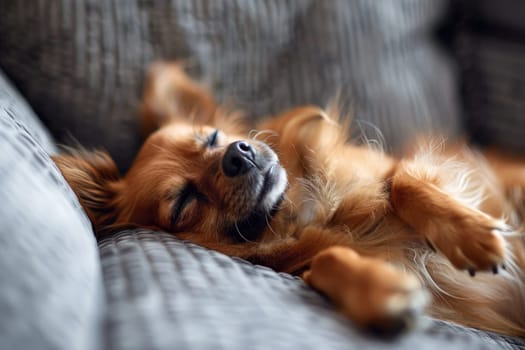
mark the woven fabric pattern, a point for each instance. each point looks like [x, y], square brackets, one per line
[491, 51]
[163, 293]
[81, 66]
[12, 104]
[495, 91]
[51, 288]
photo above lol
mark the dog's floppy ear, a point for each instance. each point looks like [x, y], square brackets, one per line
[95, 179]
[302, 130]
[309, 127]
[170, 94]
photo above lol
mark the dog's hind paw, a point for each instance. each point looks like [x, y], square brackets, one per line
[373, 293]
[401, 308]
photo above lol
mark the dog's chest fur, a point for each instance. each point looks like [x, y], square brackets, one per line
[352, 203]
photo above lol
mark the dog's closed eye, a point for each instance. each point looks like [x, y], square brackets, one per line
[188, 197]
[213, 139]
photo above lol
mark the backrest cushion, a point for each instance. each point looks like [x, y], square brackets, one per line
[491, 51]
[81, 63]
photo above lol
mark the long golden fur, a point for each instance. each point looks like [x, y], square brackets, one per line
[375, 233]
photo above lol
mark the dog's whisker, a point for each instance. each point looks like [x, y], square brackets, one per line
[378, 142]
[241, 235]
[286, 203]
[268, 133]
[266, 217]
[252, 134]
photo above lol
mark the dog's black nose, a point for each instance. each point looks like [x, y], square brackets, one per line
[238, 159]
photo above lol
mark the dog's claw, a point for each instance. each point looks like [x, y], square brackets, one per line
[504, 267]
[472, 272]
[495, 269]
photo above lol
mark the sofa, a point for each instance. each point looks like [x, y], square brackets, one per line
[71, 74]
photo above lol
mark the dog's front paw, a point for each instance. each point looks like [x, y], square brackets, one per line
[373, 293]
[471, 242]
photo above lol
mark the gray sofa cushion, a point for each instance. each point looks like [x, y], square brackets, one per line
[12, 104]
[163, 293]
[50, 281]
[82, 63]
[491, 52]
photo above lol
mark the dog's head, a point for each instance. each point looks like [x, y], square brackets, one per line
[186, 178]
[199, 179]
[197, 172]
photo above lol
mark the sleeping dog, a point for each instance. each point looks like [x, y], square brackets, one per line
[384, 238]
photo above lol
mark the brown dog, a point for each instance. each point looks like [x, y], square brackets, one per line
[375, 233]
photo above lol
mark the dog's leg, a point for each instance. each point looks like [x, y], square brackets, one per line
[469, 238]
[373, 293]
[446, 203]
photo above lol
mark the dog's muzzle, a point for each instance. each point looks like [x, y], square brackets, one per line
[259, 181]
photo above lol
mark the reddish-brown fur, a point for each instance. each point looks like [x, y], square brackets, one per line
[362, 224]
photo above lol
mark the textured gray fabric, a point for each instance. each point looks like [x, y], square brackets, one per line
[11, 103]
[491, 50]
[504, 13]
[503, 342]
[50, 281]
[166, 294]
[495, 91]
[81, 66]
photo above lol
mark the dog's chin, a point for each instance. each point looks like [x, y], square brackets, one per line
[269, 198]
